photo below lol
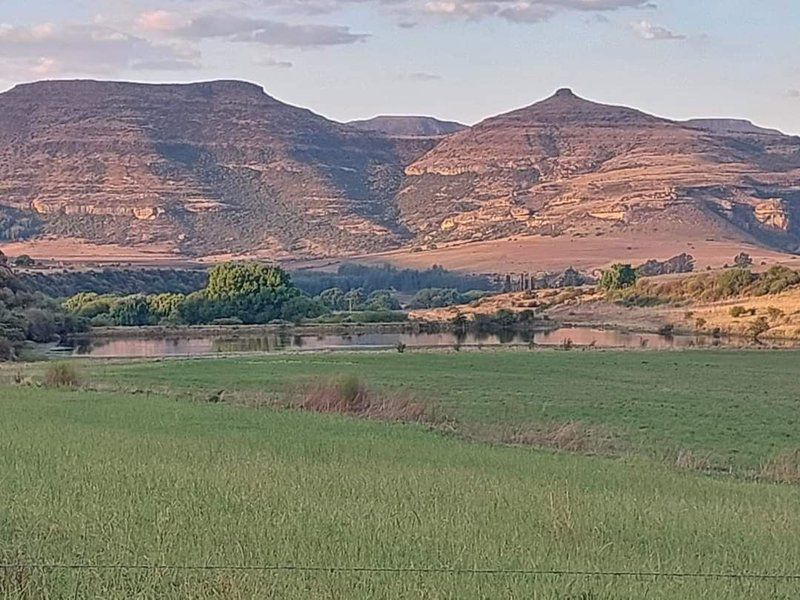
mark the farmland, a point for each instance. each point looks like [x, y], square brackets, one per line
[140, 469]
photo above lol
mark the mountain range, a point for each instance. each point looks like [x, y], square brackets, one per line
[221, 168]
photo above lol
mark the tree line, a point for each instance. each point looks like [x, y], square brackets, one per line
[27, 316]
[251, 293]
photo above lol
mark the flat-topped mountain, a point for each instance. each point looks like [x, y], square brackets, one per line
[568, 166]
[402, 126]
[730, 126]
[221, 168]
[211, 167]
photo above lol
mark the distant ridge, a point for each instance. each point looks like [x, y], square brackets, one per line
[409, 126]
[221, 169]
[730, 126]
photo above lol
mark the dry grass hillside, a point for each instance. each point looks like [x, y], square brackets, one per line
[730, 302]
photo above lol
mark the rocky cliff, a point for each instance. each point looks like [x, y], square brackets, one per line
[568, 166]
[223, 168]
[213, 167]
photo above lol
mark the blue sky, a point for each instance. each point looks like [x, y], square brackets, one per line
[455, 59]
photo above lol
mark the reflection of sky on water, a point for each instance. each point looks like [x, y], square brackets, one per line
[286, 340]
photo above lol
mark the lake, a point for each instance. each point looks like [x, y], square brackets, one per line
[297, 340]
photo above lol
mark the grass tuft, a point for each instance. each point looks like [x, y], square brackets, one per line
[350, 396]
[61, 375]
[782, 468]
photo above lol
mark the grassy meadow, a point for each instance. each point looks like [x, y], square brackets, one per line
[737, 408]
[143, 470]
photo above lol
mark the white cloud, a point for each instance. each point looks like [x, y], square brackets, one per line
[158, 21]
[648, 31]
[244, 28]
[524, 11]
[48, 49]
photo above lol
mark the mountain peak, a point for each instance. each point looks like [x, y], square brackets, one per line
[566, 108]
[564, 93]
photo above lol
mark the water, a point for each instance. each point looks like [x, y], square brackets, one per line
[276, 341]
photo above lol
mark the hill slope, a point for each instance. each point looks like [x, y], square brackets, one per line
[567, 166]
[210, 168]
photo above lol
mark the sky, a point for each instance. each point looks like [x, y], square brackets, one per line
[463, 60]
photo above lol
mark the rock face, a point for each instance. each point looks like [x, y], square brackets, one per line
[567, 166]
[221, 167]
[213, 167]
[401, 126]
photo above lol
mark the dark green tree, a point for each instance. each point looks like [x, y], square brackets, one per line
[618, 277]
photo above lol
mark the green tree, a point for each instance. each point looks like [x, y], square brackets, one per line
[132, 311]
[251, 292]
[165, 305]
[354, 299]
[618, 277]
[333, 298]
[437, 298]
[382, 300]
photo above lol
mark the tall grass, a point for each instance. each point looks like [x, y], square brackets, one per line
[349, 395]
[115, 479]
[61, 375]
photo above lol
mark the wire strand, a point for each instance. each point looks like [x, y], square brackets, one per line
[402, 570]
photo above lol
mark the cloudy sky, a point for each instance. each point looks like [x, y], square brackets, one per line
[456, 59]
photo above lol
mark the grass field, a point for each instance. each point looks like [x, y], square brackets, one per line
[109, 477]
[738, 408]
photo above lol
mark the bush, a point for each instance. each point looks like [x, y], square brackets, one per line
[759, 327]
[737, 311]
[743, 260]
[61, 375]
[733, 281]
[23, 260]
[774, 313]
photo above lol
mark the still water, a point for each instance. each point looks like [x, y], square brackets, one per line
[134, 347]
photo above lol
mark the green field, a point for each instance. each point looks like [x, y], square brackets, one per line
[117, 477]
[736, 407]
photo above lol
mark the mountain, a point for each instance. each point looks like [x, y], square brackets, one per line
[209, 168]
[730, 126]
[570, 167]
[221, 168]
[401, 126]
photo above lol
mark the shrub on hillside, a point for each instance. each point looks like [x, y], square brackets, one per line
[737, 311]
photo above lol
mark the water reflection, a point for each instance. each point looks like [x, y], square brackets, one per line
[276, 341]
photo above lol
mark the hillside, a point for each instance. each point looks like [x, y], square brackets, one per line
[207, 168]
[159, 173]
[569, 167]
[402, 126]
